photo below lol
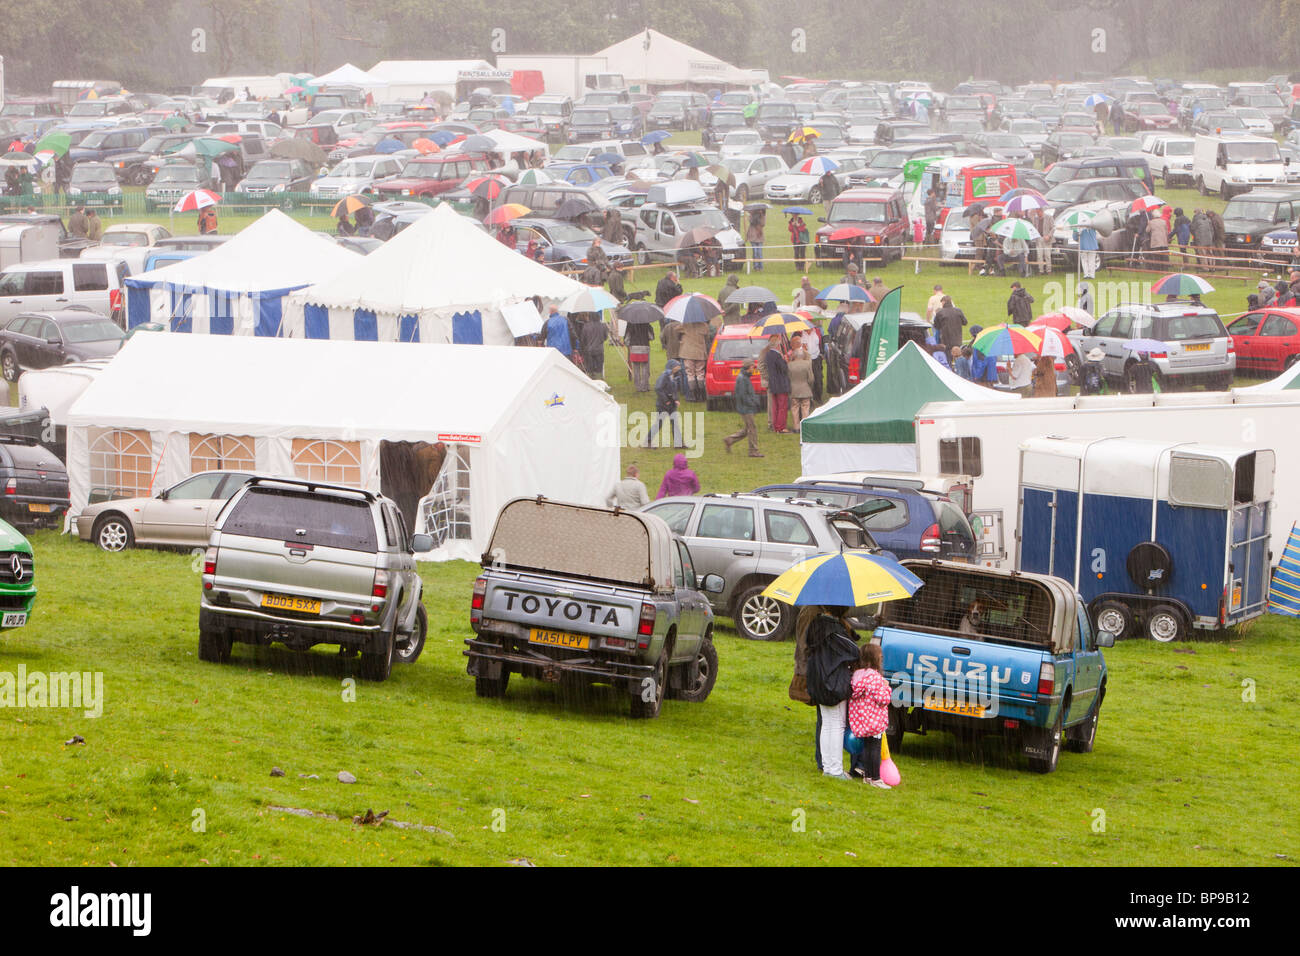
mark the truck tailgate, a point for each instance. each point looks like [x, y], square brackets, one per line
[961, 675]
[561, 606]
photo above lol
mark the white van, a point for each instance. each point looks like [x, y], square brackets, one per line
[53, 284]
[1233, 164]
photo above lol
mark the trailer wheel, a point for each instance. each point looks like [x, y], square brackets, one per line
[1166, 624]
[1114, 618]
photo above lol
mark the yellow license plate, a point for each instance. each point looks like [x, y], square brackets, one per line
[43, 509]
[285, 602]
[961, 710]
[1204, 347]
[558, 639]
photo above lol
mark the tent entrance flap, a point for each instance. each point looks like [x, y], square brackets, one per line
[445, 511]
[407, 471]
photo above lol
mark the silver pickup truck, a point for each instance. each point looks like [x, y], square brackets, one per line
[591, 595]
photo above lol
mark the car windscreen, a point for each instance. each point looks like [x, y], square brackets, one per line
[177, 174]
[737, 350]
[1066, 192]
[84, 175]
[785, 111]
[590, 117]
[100, 330]
[324, 520]
[1253, 209]
[1179, 149]
[265, 170]
[1204, 325]
[124, 238]
[843, 211]
[354, 167]
[1252, 152]
[694, 218]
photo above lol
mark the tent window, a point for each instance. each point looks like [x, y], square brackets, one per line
[446, 509]
[121, 464]
[960, 456]
[338, 462]
[221, 453]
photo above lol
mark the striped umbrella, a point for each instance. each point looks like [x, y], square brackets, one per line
[348, 205]
[1007, 339]
[1147, 203]
[589, 299]
[847, 579]
[536, 177]
[817, 166]
[1011, 194]
[1063, 318]
[779, 323]
[198, 199]
[843, 292]
[1076, 219]
[1055, 343]
[1181, 283]
[1015, 229]
[750, 293]
[1025, 202]
[692, 308]
[503, 214]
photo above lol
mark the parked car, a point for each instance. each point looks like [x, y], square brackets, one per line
[302, 563]
[273, 176]
[1252, 215]
[105, 144]
[721, 123]
[1063, 144]
[1007, 147]
[35, 490]
[95, 185]
[748, 540]
[795, 186]
[1170, 158]
[429, 176]
[175, 180]
[52, 285]
[564, 244]
[753, 173]
[1267, 341]
[732, 347]
[547, 606]
[879, 213]
[1198, 349]
[56, 337]
[17, 578]
[180, 516]
[358, 175]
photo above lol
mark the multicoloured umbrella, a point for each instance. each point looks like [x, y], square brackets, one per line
[1025, 203]
[803, 133]
[538, 177]
[486, 187]
[1015, 229]
[692, 307]
[1096, 99]
[779, 323]
[843, 292]
[348, 205]
[1064, 318]
[503, 214]
[1076, 219]
[1055, 342]
[1146, 203]
[1181, 283]
[589, 299]
[846, 579]
[817, 166]
[1004, 339]
[196, 200]
[1011, 194]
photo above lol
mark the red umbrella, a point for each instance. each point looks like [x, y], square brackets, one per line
[1055, 321]
[486, 187]
[232, 138]
[848, 232]
[196, 200]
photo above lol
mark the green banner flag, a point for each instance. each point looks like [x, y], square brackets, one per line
[884, 331]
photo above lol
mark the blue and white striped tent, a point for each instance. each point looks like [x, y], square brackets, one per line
[1284, 591]
[238, 288]
[443, 279]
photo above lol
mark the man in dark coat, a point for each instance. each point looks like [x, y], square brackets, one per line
[748, 404]
[597, 259]
[1021, 305]
[592, 338]
[614, 278]
[948, 323]
[667, 289]
[638, 338]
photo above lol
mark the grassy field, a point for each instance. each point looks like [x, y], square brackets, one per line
[178, 768]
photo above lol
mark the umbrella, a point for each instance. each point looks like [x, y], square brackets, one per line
[639, 186]
[389, 145]
[1062, 318]
[817, 166]
[208, 146]
[803, 133]
[503, 214]
[1018, 191]
[478, 144]
[348, 205]
[232, 138]
[535, 177]
[846, 579]
[658, 136]
[797, 211]
[57, 143]
[640, 313]
[198, 199]
[608, 159]
[175, 122]
[1146, 203]
[722, 172]
[1015, 229]
[1053, 321]
[1096, 99]
[1145, 345]
[843, 292]
[693, 237]
[757, 207]
[486, 187]
[1181, 283]
[1025, 203]
[574, 207]
[1006, 339]
[424, 146]
[303, 149]
[692, 308]
[694, 161]
[442, 137]
[848, 232]
[294, 89]
[22, 160]
[779, 323]
[750, 293]
[1055, 343]
[589, 299]
[972, 209]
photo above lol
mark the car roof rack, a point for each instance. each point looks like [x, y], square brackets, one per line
[314, 486]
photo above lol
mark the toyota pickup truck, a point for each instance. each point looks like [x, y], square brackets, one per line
[586, 595]
[979, 651]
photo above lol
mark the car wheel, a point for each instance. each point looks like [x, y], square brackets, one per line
[1114, 618]
[1051, 742]
[492, 686]
[760, 618]
[1290, 360]
[214, 645]
[742, 194]
[894, 730]
[815, 195]
[1224, 192]
[113, 533]
[1166, 624]
[408, 650]
[643, 708]
[699, 676]
[641, 255]
[9, 366]
[1080, 739]
[377, 665]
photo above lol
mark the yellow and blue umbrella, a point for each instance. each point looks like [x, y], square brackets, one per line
[847, 579]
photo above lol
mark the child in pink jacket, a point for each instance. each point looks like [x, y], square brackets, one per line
[869, 713]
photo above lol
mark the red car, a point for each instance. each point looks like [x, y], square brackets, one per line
[880, 215]
[1267, 340]
[432, 175]
[731, 347]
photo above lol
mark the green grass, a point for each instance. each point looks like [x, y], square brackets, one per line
[1184, 771]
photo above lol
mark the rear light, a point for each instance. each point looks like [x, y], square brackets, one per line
[480, 589]
[1223, 607]
[11, 486]
[931, 539]
[1232, 349]
[1011, 724]
[357, 618]
[1046, 679]
[115, 299]
[210, 561]
[645, 627]
[620, 642]
[380, 588]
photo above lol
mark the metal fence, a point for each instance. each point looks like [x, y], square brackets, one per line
[133, 205]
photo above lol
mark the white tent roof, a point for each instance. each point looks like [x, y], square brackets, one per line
[273, 253]
[349, 75]
[442, 262]
[431, 72]
[290, 387]
[508, 142]
[1287, 381]
[669, 62]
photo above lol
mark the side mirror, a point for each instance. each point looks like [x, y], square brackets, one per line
[713, 584]
[54, 340]
[421, 543]
[1105, 639]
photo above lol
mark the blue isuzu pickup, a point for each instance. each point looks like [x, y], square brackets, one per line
[980, 651]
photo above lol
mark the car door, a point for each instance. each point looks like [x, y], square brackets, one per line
[46, 344]
[1277, 342]
[1244, 332]
[724, 540]
[13, 286]
[691, 604]
[90, 285]
[787, 538]
[45, 290]
[182, 514]
[1087, 666]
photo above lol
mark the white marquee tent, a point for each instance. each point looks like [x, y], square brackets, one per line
[449, 433]
[442, 279]
[349, 75]
[239, 287]
[651, 58]
[411, 79]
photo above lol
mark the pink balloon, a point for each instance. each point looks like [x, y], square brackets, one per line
[889, 773]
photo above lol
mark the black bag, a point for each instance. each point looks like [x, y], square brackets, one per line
[831, 656]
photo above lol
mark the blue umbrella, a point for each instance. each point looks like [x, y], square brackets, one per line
[441, 136]
[610, 159]
[389, 145]
[797, 211]
[508, 104]
[658, 136]
[843, 292]
[1096, 99]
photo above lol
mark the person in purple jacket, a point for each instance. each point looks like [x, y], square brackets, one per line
[678, 480]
